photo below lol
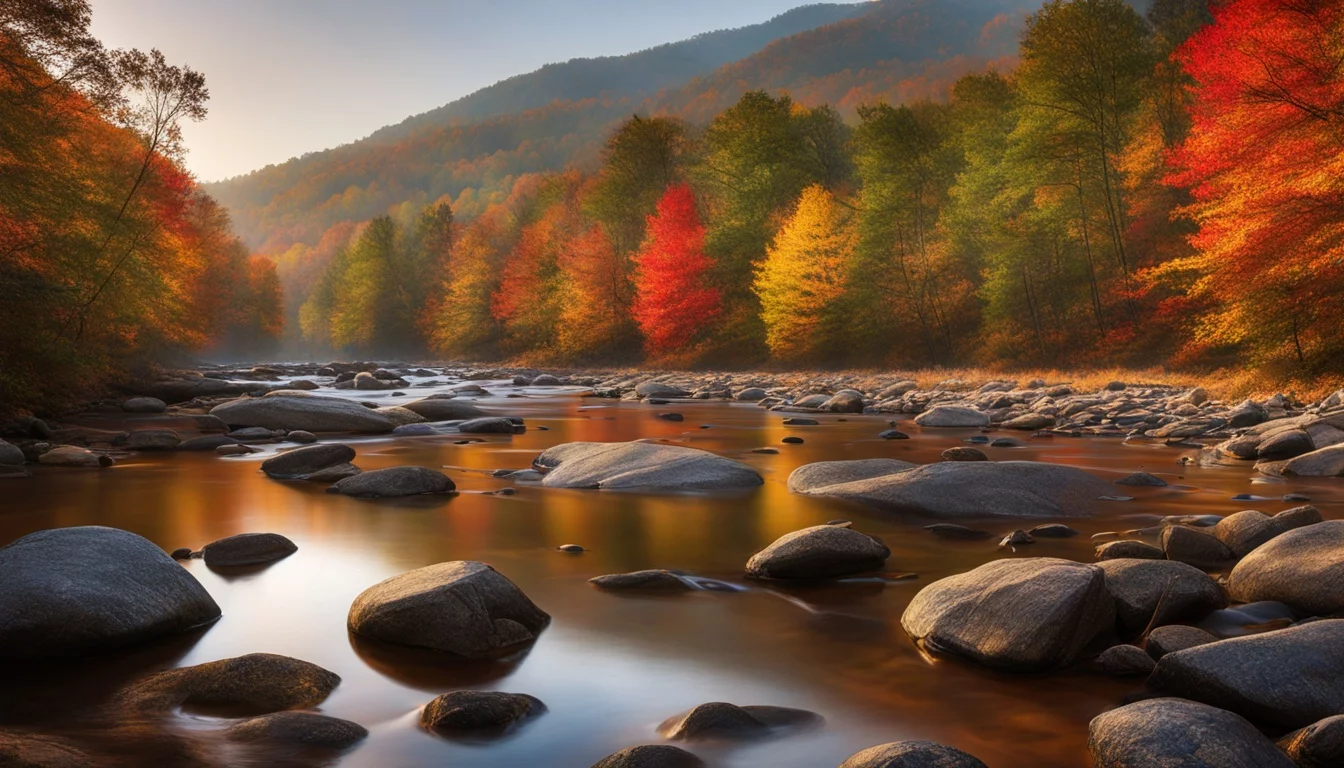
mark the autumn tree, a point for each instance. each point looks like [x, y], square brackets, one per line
[643, 157]
[674, 302]
[803, 280]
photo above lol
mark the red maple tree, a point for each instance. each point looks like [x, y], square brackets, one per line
[673, 300]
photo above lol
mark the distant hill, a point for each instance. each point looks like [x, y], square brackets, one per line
[472, 151]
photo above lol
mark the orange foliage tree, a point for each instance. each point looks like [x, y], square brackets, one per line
[673, 301]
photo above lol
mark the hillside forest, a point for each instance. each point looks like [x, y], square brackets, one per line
[1117, 188]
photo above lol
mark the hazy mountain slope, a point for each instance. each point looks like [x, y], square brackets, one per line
[894, 49]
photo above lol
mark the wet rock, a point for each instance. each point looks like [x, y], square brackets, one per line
[1298, 517]
[254, 434]
[671, 417]
[722, 721]
[1288, 677]
[394, 482]
[491, 425]
[1053, 531]
[305, 728]
[1142, 587]
[1016, 538]
[301, 437]
[478, 710]
[1005, 442]
[792, 440]
[1319, 745]
[10, 454]
[1248, 414]
[953, 531]
[976, 489]
[844, 401]
[952, 416]
[206, 443]
[1246, 530]
[574, 549]
[235, 449]
[751, 395]
[1175, 637]
[893, 434]
[303, 462]
[144, 405]
[1180, 734]
[463, 607]
[302, 384]
[819, 552]
[74, 456]
[911, 754]
[1284, 445]
[153, 440]
[821, 474]
[1187, 545]
[310, 413]
[800, 421]
[964, 453]
[400, 417]
[642, 581]
[1303, 568]
[255, 684]
[444, 409]
[1326, 462]
[1031, 421]
[1142, 479]
[181, 553]
[1030, 614]
[545, 380]
[25, 749]
[414, 430]
[650, 466]
[651, 756]
[247, 549]
[1129, 549]
[1124, 661]
[657, 389]
[89, 589]
[333, 473]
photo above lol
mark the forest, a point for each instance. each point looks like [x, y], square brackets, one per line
[112, 257]
[1159, 190]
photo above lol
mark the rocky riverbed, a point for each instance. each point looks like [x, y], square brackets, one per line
[401, 565]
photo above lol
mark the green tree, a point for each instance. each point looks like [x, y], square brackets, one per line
[642, 158]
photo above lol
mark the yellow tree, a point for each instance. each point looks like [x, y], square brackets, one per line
[801, 283]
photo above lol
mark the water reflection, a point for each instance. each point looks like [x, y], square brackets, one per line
[610, 668]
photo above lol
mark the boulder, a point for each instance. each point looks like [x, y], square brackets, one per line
[1187, 545]
[1303, 568]
[651, 756]
[1124, 661]
[1129, 549]
[10, 454]
[153, 440]
[546, 380]
[819, 552]
[844, 401]
[444, 409]
[478, 710]
[255, 684]
[821, 474]
[1284, 444]
[1319, 745]
[84, 590]
[301, 437]
[1326, 462]
[659, 390]
[465, 608]
[399, 416]
[964, 453]
[144, 405]
[247, 549]
[1141, 586]
[1298, 517]
[719, 720]
[301, 728]
[74, 456]
[1030, 614]
[952, 416]
[310, 413]
[302, 462]
[751, 395]
[492, 425]
[1175, 637]
[911, 754]
[1030, 421]
[649, 466]
[1246, 530]
[394, 482]
[980, 488]
[1289, 678]
[642, 581]
[1178, 734]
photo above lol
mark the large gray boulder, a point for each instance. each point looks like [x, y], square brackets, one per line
[650, 466]
[302, 462]
[1140, 587]
[1303, 568]
[819, 552]
[310, 413]
[911, 754]
[463, 607]
[820, 474]
[444, 409]
[957, 489]
[952, 416]
[659, 389]
[394, 482]
[844, 401]
[1030, 614]
[83, 590]
[1174, 733]
[1289, 677]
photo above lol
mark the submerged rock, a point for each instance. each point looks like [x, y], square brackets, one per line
[1030, 614]
[74, 456]
[463, 607]
[719, 720]
[255, 684]
[305, 728]
[492, 425]
[642, 581]
[1180, 734]
[394, 482]
[248, 549]
[819, 552]
[444, 409]
[89, 589]
[911, 754]
[650, 466]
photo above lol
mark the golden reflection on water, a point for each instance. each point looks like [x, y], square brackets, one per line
[610, 667]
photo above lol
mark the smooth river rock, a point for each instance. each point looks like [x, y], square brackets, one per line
[302, 728]
[821, 474]
[648, 466]
[84, 590]
[1319, 745]
[247, 549]
[1141, 586]
[394, 482]
[819, 552]
[720, 720]
[952, 416]
[1175, 733]
[651, 756]
[462, 607]
[444, 409]
[478, 710]
[302, 462]
[1303, 568]
[255, 684]
[310, 413]
[911, 754]
[1029, 614]
[956, 489]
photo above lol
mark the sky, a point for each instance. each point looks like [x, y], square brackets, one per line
[293, 76]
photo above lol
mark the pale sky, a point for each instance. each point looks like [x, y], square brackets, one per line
[293, 76]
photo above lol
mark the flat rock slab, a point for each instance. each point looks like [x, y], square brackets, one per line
[648, 466]
[1179, 734]
[957, 489]
[85, 590]
[310, 413]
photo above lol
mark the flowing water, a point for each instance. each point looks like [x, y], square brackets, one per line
[610, 667]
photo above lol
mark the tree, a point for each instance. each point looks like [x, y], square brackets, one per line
[641, 160]
[674, 304]
[595, 321]
[363, 308]
[802, 281]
